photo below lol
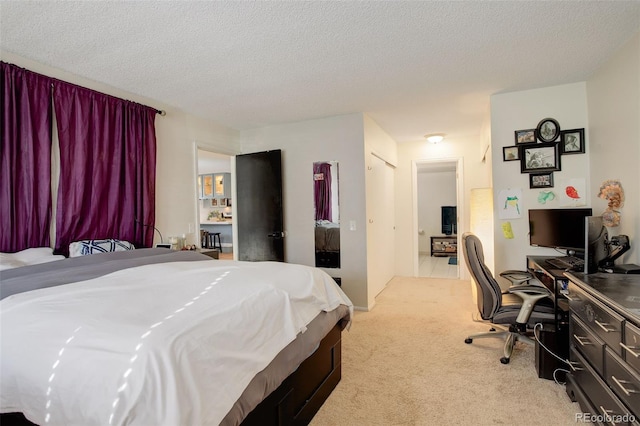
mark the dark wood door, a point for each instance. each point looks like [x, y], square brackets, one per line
[259, 206]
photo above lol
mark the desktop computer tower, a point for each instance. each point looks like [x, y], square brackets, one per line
[556, 341]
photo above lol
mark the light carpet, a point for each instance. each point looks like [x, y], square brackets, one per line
[406, 363]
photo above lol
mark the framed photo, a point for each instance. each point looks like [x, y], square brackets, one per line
[510, 153]
[223, 202]
[548, 130]
[525, 136]
[539, 157]
[541, 180]
[214, 202]
[572, 141]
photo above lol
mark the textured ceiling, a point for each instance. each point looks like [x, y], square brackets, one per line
[414, 67]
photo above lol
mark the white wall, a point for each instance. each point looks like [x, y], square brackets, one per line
[523, 110]
[340, 139]
[476, 174]
[435, 189]
[176, 167]
[614, 128]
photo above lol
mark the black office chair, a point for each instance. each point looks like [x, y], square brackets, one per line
[516, 316]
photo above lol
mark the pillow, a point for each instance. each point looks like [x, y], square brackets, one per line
[30, 256]
[85, 247]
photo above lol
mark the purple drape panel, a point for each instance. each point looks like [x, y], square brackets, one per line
[107, 168]
[322, 191]
[25, 162]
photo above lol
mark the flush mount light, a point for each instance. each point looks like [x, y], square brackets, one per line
[435, 137]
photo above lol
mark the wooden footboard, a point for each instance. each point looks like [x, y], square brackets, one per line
[300, 396]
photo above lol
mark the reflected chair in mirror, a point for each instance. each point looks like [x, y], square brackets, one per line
[515, 311]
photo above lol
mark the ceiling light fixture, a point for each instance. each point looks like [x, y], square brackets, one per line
[435, 137]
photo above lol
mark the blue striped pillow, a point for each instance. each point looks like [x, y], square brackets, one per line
[85, 247]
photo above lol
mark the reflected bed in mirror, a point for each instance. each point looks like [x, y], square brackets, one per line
[327, 215]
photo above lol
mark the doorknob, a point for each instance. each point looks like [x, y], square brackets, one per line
[276, 235]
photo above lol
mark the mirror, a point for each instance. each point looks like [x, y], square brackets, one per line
[327, 214]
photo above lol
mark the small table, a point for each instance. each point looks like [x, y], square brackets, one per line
[212, 253]
[445, 245]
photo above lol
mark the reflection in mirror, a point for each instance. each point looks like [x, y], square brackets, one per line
[327, 214]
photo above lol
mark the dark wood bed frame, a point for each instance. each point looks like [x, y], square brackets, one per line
[295, 401]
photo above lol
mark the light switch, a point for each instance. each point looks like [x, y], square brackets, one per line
[352, 225]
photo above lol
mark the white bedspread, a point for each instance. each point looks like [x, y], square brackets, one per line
[30, 256]
[168, 344]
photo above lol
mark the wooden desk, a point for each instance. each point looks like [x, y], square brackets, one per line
[555, 280]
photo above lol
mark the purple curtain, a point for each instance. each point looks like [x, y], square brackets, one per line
[25, 162]
[322, 190]
[107, 168]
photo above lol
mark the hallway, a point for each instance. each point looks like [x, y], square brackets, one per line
[436, 267]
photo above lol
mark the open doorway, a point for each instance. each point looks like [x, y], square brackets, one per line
[215, 201]
[436, 225]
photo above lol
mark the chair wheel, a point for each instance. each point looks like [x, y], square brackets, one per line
[468, 340]
[504, 360]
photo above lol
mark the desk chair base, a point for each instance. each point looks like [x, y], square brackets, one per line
[510, 335]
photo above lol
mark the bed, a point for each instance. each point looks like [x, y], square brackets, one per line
[155, 336]
[327, 236]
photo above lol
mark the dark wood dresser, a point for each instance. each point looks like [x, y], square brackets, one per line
[604, 329]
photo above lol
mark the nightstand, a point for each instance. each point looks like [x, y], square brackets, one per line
[212, 253]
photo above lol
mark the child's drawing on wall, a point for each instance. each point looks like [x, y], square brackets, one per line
[573, 193]
[510, 203]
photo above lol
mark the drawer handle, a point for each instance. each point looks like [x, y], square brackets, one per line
[607, 414]
[575, 366]
[581, 338]
[621, 384]
[630, 350]
[603, 325]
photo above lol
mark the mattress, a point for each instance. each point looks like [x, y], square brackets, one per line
[215, 367]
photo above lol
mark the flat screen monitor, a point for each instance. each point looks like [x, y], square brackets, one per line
[596, 247]
[449, 219]
[558, 229]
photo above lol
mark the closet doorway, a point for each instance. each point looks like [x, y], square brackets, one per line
[437, 184]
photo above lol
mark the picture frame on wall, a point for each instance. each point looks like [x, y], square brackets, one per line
[525, 136]
[548, 130]
[510, 153]
[540, 157]
[214, 202]
[541, 180]
[572, 141]
[223, 202]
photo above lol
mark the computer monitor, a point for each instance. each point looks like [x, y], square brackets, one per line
[558, 229]
[449, 219]
[596, 244]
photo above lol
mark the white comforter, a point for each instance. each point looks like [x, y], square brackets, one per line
[167, 344]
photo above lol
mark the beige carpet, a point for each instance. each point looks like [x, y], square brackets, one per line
[406, 363]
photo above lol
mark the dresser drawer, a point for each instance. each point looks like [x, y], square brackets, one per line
[604, 322]
[624, 382]
[605, 402]
[587, 343]
[631, 346]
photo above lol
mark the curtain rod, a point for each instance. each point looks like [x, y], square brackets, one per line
[158, 111]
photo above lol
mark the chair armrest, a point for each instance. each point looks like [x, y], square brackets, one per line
[530, 294]
[516, 277]
[530, 289]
